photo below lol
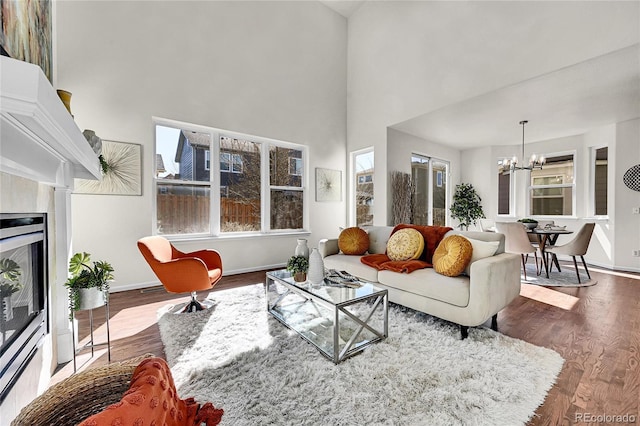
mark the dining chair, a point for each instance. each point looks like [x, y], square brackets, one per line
[182, 272]
[487, 225]
[576, 247]
[516, 241]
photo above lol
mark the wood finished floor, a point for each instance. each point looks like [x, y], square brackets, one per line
[595, 329]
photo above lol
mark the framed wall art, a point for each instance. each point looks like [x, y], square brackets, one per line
[121, 171]
[328, 185]
[25, 32]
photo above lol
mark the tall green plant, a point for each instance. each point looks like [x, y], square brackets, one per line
[466, 206]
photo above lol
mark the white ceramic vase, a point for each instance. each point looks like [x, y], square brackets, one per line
[302, 249]
[316, 267]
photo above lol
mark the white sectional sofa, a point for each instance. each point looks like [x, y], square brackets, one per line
[493, 282]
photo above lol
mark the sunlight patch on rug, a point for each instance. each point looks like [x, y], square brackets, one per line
[244, 361]
[566, 278]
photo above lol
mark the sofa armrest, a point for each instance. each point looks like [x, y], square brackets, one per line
[494, 282]
[327, 247]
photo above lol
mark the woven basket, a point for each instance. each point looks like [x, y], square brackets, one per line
[80, 396]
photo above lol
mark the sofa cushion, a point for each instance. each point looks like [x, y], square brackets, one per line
[481, 249]
[405, 244]
[452, 255]
[353, 241]
[351, 264]
[428, 283]
[378, 237]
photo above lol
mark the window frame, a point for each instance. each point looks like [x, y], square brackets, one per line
[353, 184]
[572, 185]
[592, 181]
[214, 182]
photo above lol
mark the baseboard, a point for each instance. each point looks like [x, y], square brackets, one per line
[155, 283]
[598, 264]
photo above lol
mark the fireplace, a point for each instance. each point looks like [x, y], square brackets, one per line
[23, 293]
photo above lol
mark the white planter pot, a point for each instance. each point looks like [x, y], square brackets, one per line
[91, 298]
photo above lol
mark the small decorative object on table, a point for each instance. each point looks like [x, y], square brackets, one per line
[342, 278]
[299, 266]
[529, 223]
[302, 249]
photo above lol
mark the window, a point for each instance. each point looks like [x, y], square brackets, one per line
[363, 186]
[295, 166]
[195, 195]
[429, 177]
[600, 160]
[230, 162]
[504, 189]
[552, 188]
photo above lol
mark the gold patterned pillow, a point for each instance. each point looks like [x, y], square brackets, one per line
[405, 244]
[452, 255]
[353, 241]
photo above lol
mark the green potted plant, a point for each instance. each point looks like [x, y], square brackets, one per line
[89, 282]
[529, 223]
[466, 206]
[10, 273]
[299, 265]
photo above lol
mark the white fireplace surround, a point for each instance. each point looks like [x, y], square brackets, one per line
[40, 141]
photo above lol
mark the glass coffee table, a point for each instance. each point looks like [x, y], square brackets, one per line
[338, 320]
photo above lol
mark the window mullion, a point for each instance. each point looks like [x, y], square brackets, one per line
[265, 188]
[214, 181]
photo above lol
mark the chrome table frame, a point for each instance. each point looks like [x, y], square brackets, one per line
[379, 298]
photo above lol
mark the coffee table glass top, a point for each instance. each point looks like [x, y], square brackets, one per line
[339, 321]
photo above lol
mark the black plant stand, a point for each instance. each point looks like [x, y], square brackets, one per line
[90, 343]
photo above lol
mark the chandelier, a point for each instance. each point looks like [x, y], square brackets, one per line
[535, 162]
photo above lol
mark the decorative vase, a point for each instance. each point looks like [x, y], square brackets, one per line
[316, 267]
[91, 298]
[300, 277]
[65, 97]
[302, 249]
[7, 308]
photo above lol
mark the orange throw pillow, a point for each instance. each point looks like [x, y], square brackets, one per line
[152, 399]
[353, 241]
[452, 255]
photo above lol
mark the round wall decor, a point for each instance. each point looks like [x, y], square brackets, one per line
[631, 178]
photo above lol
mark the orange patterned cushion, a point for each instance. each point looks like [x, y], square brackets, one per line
[452, 255]
[353, 241]
[152, 399]
[405, 244]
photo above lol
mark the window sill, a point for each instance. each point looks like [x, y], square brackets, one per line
[236, 236]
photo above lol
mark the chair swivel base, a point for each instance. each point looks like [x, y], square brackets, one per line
[194, 306]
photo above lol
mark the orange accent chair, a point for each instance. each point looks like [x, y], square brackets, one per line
[182, 272]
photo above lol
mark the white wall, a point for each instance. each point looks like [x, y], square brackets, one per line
[410, 58]
[627, 231]
[271, 69]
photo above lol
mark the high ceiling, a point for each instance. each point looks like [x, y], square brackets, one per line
[569, 101]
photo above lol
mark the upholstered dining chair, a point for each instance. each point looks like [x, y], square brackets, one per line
[516, 241]
[576, 247]
[487, 225]
[182, 272]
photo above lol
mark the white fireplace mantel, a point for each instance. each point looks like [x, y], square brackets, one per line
[38, 138]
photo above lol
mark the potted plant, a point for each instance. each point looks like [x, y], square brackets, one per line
[10, 273]
[89, 282]
[529, 223]
[466, 205]
[299, 265]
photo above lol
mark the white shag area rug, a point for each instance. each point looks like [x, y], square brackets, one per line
[238, 357]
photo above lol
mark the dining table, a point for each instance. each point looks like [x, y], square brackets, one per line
[547, 237]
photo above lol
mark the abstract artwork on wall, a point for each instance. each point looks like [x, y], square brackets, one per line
[26, 32]
[328, 185]
[123, 174]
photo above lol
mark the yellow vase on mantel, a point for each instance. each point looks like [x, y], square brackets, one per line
[65, 97]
